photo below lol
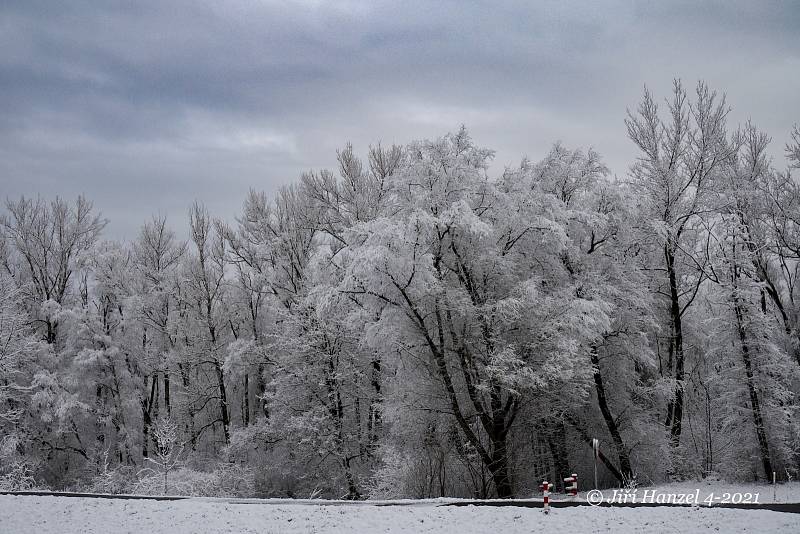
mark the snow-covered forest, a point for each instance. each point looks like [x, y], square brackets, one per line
[415, 324]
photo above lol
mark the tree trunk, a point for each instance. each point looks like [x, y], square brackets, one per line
[675, 417]
[246, 401]
[262, 390]
[51, 332]
[223, 402]
[755, 405]
[336, 411]
[99, 409]
[145, 432]
[499, 468]
[611, 422]
[498, 436]
[147, 408]
[374, 417]
[167, 404]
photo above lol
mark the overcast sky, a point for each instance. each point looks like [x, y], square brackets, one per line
[145, 106]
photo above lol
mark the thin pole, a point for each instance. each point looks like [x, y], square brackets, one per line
[546, 495]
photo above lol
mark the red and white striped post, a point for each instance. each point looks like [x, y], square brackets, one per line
[546, 487]
[571, 485]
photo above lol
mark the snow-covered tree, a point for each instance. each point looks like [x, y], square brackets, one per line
[468, 280]
[19, 362]
[167, 455]
[682, 155]
[46, 242]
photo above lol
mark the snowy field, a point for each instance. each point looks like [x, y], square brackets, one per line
[781, 492]
[716, 489]
[35, 514]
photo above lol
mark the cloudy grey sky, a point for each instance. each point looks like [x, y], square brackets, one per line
[145, 106]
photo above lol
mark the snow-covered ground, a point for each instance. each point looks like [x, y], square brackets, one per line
[767, 493]
[758, 493]
[40, 515]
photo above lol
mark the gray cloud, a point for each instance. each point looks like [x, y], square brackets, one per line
[144, 106]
